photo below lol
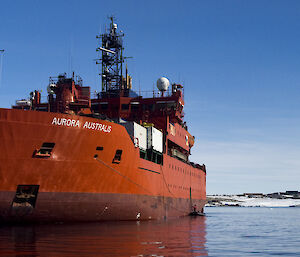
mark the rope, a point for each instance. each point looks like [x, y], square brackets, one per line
[165, 181]
[122, 175]
[125, 177]
[169, 190]
[104, 209]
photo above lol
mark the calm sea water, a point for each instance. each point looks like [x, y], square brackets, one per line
[223, 232]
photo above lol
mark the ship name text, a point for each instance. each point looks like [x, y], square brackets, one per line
[76, 124]
[97, 126]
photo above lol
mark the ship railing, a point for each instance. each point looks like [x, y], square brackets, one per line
[154, 93]
[158, 94]
[63, 77]
[144, 94]
[198, 166]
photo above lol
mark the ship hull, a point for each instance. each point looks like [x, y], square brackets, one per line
[53, 207]
[80, 183]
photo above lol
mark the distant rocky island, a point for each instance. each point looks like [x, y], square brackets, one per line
[278, 199]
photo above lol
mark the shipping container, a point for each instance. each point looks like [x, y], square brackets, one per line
[154, 139]
[138, 134]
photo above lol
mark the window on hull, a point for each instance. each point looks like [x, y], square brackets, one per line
[117, 158]
[26, 196]
[45, 151]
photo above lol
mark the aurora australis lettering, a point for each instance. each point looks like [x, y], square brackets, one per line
[76, 123]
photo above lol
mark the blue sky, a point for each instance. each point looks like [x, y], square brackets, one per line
[239, 62]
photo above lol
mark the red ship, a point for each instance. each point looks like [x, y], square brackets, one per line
[119, 156]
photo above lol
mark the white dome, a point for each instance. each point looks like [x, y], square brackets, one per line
[162, 84]
[50, 89]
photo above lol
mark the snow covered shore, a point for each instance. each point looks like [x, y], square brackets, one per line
[242, 201]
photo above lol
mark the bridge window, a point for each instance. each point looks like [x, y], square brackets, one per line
[104, 106]
[134, 107]
[125, 106]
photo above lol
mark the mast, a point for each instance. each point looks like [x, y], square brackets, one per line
[111, 58]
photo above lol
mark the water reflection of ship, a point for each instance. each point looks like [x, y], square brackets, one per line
[177, 237]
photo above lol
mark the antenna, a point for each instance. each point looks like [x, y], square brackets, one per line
[1, 62]
[71, 55]
[139, 87]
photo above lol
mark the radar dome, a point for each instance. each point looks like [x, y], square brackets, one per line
[50, 89]
[162, 84]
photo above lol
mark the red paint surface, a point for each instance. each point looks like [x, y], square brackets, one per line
[71, 177]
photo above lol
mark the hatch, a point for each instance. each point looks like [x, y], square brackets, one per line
[24, 200]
